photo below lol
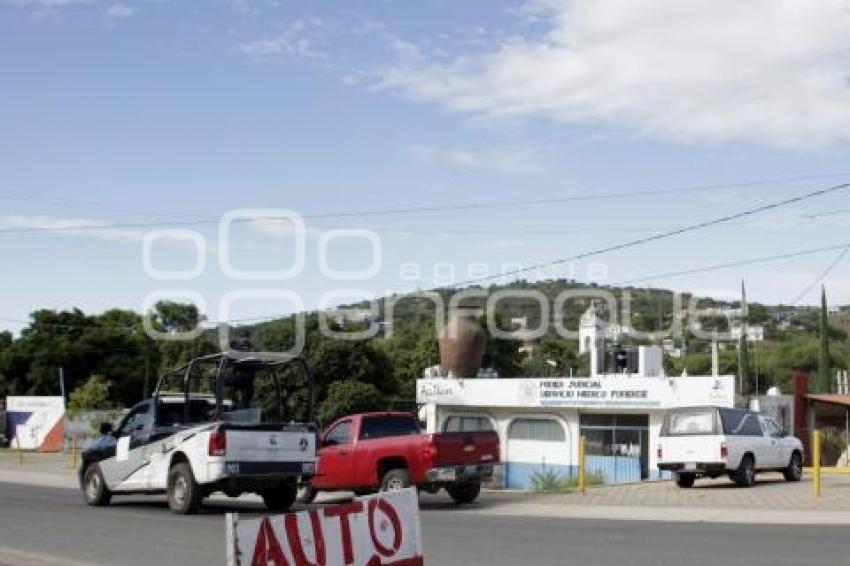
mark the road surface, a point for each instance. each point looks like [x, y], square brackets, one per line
[37, 522]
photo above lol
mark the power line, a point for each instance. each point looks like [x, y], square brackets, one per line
[437, 207]
[738, 263]
[630, 244]
[633, 243]
[660, 236]
[823, 275]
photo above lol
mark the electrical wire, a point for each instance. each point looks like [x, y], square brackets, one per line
[822, 276]
[477, 206]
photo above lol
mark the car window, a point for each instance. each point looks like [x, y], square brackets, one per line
[772, 428]
[386, 426]
[748, 426]
[697, 421]
[339, 434]
[467, 424]
[137, 421]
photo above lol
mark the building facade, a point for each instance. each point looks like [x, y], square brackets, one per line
[540, 420]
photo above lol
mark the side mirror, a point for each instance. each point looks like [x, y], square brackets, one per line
[105, 429]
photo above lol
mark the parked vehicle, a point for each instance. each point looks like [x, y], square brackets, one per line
[215, 424]
[387, 451]
[712, 441]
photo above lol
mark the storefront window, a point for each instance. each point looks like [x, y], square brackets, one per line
[537, 429]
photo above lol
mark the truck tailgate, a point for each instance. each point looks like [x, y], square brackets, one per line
[246, 445]
[459, 448]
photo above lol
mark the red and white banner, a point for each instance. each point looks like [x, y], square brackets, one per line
[370, 531]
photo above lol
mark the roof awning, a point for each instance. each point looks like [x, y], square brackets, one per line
[841, 400]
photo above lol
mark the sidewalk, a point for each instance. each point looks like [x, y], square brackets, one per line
[771, 501]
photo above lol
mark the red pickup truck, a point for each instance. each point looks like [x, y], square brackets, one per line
[387, 451]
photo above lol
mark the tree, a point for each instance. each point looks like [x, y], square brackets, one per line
[347, 397]
[90, 396]
[824, 361]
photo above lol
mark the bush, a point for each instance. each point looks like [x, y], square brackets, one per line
[93, 395]
[547, 480]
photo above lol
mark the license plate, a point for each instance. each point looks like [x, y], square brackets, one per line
[470, 470]
[308, 468]
[691, 466]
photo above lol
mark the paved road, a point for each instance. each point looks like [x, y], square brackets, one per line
[40, 521]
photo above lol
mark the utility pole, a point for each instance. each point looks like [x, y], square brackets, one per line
[62, 383]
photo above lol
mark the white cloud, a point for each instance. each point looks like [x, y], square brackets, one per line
[70, 226]
[774, 72]
[299, 39]
[121, 11]
[500, 159]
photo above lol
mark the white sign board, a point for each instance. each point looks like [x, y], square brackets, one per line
[370, 531]
[36, 423]
[615, 392]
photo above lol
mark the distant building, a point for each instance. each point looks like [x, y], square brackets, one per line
[755, 333]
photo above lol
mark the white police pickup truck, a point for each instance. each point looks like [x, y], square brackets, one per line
[713, 441]
[216, 424]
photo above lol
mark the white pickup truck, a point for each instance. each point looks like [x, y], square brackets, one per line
[215, 424]
[713, 441]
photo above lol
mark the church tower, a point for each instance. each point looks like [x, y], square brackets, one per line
[591, 337]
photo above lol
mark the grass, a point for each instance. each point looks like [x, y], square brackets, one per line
[547, 480]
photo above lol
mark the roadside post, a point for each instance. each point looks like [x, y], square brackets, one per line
[232, 557]
[816, 461]
[18, 441]
[73, 452]
[582, 450]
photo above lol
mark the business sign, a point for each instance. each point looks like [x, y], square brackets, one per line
[610, 391]
[597, 392]
[370, 531]
[36, 423]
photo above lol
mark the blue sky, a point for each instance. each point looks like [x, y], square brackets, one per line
[134, 113]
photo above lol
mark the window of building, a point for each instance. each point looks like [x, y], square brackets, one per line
[546, 430]
[467, 424]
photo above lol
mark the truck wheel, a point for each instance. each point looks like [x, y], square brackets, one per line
[794, 471]
[184, 494]
[95, 492]
[745, 476]
[464, 492]
[281, 497]
[395, 480]
[306, 494]
[685, 480]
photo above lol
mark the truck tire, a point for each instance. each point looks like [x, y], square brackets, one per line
[95, 492]
[395, 480]
[184, 494]
[745, 475]
[281, 497]
[464, 492]
[685, 480]
[794, 471]
[306, 494]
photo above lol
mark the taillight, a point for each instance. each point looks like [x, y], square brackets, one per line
[218, 443]
[660, 452]
[724, 451]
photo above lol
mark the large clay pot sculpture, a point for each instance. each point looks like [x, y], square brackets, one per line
[462, 343]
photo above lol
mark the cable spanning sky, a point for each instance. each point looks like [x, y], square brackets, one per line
[472, 138]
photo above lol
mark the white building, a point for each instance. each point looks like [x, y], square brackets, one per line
[754, 333]
[540, 420]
